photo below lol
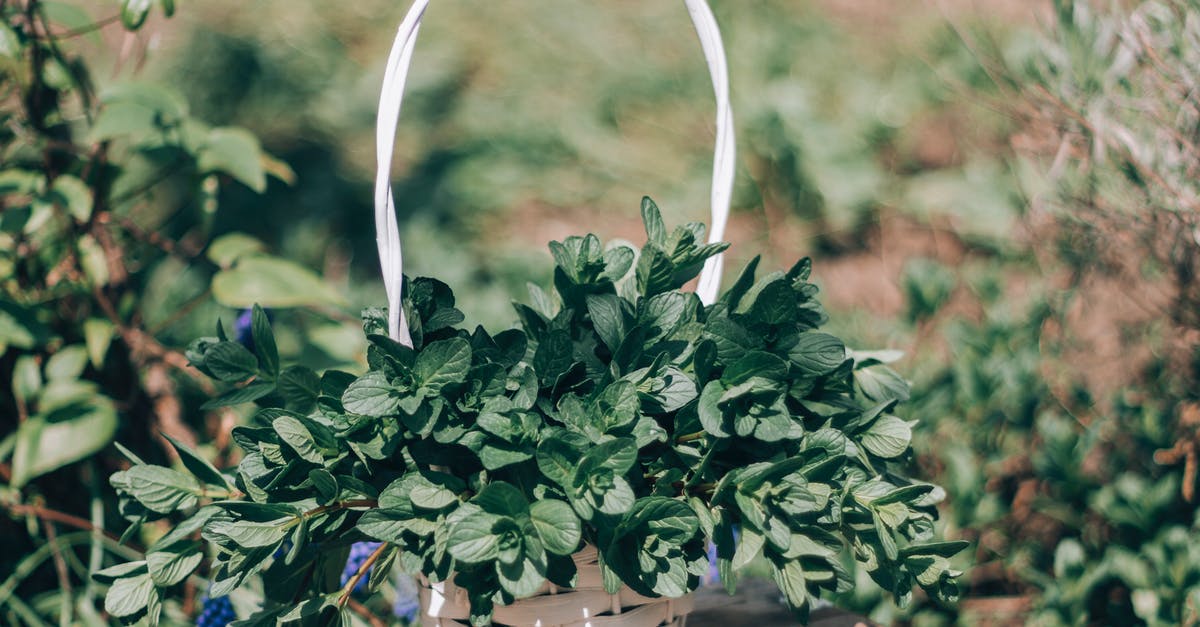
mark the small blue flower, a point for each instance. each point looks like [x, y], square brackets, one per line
[359, 552]
[216, 612]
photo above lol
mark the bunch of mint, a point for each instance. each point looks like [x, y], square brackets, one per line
[622, 414]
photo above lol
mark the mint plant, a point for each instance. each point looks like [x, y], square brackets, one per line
[622, 414]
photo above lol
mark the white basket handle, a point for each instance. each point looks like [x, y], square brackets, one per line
[387, 232]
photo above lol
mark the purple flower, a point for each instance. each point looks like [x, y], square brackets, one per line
[241, 328]
[408, 599]
[359, 552]
[216, 612]
[713, 576]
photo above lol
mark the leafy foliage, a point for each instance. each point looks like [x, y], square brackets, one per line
[623, 414]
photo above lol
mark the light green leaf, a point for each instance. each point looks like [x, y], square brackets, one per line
[471, 539]
[172, 565]
[134, 12]
[48, 441]
[816, 353]
[67, 363]
[371, 395]
[227, 249]
[72, 194]
[159, 489]
[97, 335]
[27, 378]
[271, 282]
[557, 525]
[297, 436]
[129, 595]
[888, 436]
[236, 152]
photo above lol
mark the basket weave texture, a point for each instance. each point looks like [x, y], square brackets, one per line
[444, 604]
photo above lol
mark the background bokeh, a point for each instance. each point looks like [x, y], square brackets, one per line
[1003, 190]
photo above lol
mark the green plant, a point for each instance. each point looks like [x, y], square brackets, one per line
[622, 414]
[109, 189]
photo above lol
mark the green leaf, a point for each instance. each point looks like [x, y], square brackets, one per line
[300, 387]
[246, 394]
[656, 231]
[49, 441]
[499, 497]
[129, 596]
[72, 194]
[710, 414]
[264, 341]
[134, 12]
[429, 495]
[229, 248]
[816, 353]
[10, 44]
[198, 466]
[371, 395]
[260, 526]
[158, 489]
[119, 571]
[297, 436]
[880, 383]
[556, 459]
[755, 364]
[27, 379]
[888, 437]
[174, 564]
[230, 361]
[557, 525]
[234, 151]
[607, 318]
[443, 363]
[97, 335]
[272, 282]
[471, 539]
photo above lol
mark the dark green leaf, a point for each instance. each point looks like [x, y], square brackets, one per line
[443, 363]
[198, 466]
[230, 361]
[264, 341]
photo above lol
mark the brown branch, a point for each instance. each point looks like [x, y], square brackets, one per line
[83, 30]
[362, 572]
[366, 614]
[60, 565]
[64, 518]
[154, 238]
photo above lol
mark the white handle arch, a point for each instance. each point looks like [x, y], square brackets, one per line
[387, 231]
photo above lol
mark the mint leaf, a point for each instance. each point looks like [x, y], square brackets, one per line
[371, 395]
[443, 363]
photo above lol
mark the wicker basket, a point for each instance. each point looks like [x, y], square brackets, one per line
[586, 605]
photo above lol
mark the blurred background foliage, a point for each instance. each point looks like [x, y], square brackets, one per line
[1004, 190]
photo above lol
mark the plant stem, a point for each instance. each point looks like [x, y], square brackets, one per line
[342, 505]
[368, 615]
[65, 615]
[362, 572]
[691, 437]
